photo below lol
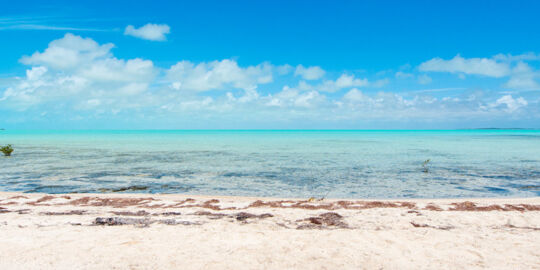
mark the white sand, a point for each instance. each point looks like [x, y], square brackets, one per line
[368, 236]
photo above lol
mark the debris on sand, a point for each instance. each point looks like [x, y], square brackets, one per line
[323, 221]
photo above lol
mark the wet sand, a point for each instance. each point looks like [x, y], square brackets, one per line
[147, 231]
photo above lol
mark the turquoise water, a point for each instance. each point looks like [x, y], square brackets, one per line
[338, 164]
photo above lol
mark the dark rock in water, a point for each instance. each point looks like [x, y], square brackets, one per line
[115, 221]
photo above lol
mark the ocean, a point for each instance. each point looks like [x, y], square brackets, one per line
[277, 163]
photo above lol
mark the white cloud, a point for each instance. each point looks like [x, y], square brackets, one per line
[35, 73]
[284, 69]
[379, 83]
[79, 72]
[112, 69]
[78, 77]
[354, 95]
[521, 57]
[150, 31]
[523, 77]
[70, 51]
[403, 75]
[509, 103]
[344, 81]
[424, 79]
[216, 75]
[522, 83]
[473, 66]
[295, 98]
[309, 73]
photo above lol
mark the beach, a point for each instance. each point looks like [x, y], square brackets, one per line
[150, 231]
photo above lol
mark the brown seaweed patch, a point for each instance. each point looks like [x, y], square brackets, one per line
[470, 206]
[138, 222]
[112, 202]
[518, 227]
[178, 222]
[116, 221]
[22, 211]
[169, 214]
[433, 207]
[242, 216]
[332, 205]
[17, 197]
[42, 199]
[9, 203]
[72, 212]
[210, 204]
[418, 225]
[528, 207]
[414, 212]
[45, 198]
[210, 215]
[329, 219]
[128, 213]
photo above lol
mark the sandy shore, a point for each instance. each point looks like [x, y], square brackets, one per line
[140, 231]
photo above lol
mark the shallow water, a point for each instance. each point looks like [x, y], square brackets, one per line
[336, 164]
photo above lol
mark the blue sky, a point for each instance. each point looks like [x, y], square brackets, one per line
[274, 64]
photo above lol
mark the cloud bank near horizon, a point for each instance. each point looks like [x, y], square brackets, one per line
[77, 78]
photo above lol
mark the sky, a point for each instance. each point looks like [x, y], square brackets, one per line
[269, 64]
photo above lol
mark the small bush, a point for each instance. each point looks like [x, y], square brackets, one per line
[7, 150]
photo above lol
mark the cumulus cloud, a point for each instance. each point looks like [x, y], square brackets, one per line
[80, 72]
[79, 77]
[309, 73]
[509, 103]
[424, 79]
[523, 77]
[530, 56]
[69, 52]
[150, 31]
[403, 75]
[342, 82]
[284, 69]
[215, 75]
[295, 98]
[470, 66]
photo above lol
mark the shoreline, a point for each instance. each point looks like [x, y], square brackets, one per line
[233, 197]
[149, 231]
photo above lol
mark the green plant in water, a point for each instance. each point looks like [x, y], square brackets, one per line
[425, 165]
[7, 150]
